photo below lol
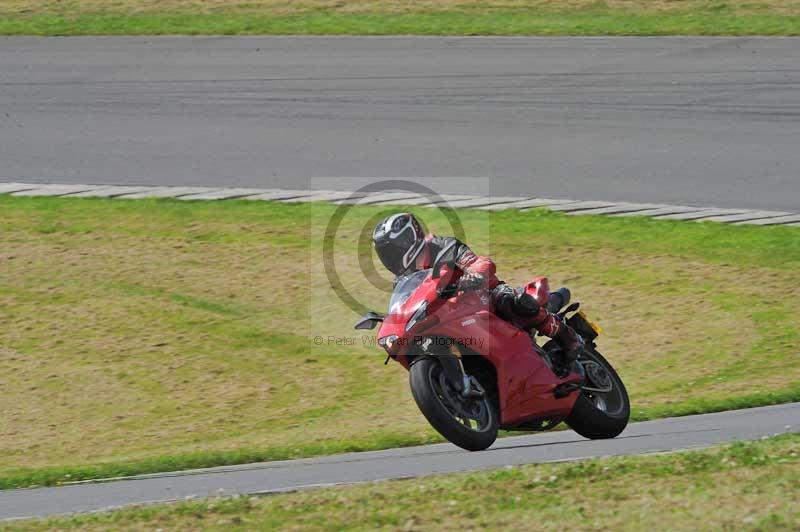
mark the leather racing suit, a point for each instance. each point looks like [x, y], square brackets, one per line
[511, 305]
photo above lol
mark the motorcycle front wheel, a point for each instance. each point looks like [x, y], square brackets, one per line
[470, 423]
[602, 409]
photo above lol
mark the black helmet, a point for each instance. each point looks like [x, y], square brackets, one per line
[398, 240]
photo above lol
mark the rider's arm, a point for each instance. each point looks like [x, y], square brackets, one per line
[477, 264]
[466, 260]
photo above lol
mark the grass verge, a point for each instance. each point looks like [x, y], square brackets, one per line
[144, 336]
[744, 486]
[391, 17]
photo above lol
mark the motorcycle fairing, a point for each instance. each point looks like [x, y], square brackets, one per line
[525, 383]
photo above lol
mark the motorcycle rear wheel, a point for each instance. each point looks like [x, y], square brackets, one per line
[600, 415]
[467, 422]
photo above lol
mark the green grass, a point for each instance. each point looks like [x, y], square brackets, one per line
[390, 17]
[143, 336]
[744, 486]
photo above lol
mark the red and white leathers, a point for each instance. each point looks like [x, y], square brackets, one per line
[510, 304]
[464, 258]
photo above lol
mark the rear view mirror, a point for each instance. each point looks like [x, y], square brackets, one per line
[369, 321]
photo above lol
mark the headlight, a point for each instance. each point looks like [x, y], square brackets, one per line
[387, 341]
[420, 314]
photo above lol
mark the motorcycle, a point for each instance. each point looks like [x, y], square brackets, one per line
[472, 373]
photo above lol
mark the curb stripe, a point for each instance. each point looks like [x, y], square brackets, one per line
[110, 191]
[699, 215]
[664, 209]
[54, 190]
[570, 207]
[8, 188]
[580, 206]
[482, 201]
[615, 209]
[779, 220]
[752, 215]
[231, 193]
[526, 204]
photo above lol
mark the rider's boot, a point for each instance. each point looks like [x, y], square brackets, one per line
[523, 309]
[549, 324]
[571, 344]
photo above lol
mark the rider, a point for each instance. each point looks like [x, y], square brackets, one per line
[403, 247]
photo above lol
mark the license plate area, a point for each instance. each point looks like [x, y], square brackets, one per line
[584, 326]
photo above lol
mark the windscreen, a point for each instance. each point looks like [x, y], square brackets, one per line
[405, 287]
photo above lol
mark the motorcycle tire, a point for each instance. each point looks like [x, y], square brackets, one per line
[436, 404]
[597, 417]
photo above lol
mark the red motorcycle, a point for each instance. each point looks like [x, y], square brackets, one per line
[473, 373]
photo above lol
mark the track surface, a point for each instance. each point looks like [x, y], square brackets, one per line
[645, 437]
[689, 121]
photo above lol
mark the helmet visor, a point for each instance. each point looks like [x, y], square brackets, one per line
[392, 257]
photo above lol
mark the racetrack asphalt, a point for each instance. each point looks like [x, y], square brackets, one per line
[679, 120]
[645, 437]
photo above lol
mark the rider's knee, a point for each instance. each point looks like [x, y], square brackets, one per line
[526, 305]
[503, 297]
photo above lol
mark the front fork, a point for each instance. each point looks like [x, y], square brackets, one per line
[455, 374]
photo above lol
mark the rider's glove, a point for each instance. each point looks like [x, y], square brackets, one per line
[471, 281]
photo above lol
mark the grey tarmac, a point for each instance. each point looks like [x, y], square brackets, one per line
[270, 477]
[699, 121]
